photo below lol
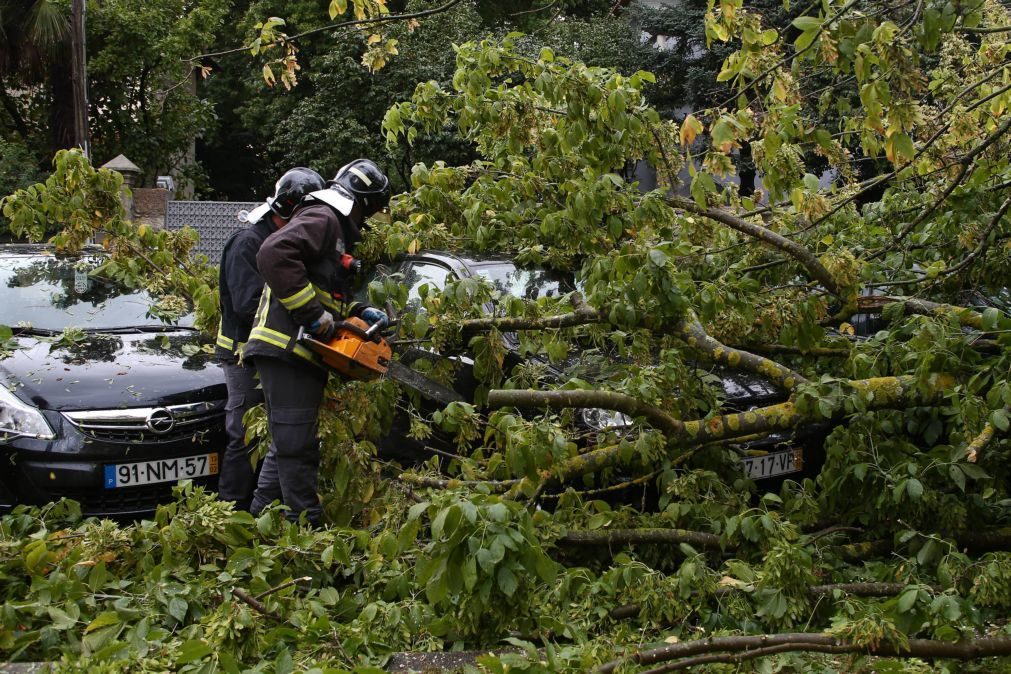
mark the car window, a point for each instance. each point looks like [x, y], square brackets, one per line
[528, 284]
[57, 293]
[418, 274]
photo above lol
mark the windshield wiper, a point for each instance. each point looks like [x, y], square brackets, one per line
[145, 328]
[36, 332]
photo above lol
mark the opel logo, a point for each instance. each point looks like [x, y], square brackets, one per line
[160, 421]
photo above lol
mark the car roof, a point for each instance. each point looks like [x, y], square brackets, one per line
[27, 249]
[457, 261]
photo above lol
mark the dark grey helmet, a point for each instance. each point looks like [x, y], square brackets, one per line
[367, 183]
[291, 187]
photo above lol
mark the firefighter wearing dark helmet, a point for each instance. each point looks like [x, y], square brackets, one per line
[240, 286]
[307, 280]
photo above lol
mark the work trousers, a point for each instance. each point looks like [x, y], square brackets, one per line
[294, 393]
[238, 479]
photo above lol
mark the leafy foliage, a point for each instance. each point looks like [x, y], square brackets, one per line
[522, 533]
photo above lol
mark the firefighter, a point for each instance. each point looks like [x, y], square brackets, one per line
[307, 273]
[240, 286]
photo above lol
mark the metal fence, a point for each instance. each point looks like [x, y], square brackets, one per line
[214, 221]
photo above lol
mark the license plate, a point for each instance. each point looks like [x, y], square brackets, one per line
[163, 470]
[774, 463]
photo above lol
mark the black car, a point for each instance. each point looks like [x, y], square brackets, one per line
[103, 399]
[767, 461]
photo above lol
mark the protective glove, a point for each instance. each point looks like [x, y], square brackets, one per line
[323, 327]
[372, 316]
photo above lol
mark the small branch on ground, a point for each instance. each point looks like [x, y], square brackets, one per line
[255, 604]
[283, 586]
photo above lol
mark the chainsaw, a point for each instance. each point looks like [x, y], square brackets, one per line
[359, 352]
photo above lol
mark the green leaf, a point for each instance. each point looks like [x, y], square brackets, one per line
[806, 23]
[190, 651]
[507, 581]
[177, 608]
[914, 488]
[957, 476]
[470, 573]
[991, 318]
[102, 620]
[60, 619]
[907, 600]
[999, 419]
[805, 39]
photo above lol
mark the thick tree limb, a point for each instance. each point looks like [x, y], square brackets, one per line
[746, 647]
[695, 335]
[984, 540]
[582, 315]
[628, 611]
[453, 483]
[806, 257]
[690, 330]
[876, 393]
[911, 305]
[821, 351]
[623, 537]
[582, 398]
[979, 443]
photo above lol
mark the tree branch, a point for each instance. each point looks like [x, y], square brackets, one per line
[912, 305]
[623, 537]
[583, 314]
[984, 241]
[254, 604]
[334, 26]
[798, 252]
[697, 338]
[628, 611]
[876, 393]
[747, 647]
[965, 162]
[578, 398]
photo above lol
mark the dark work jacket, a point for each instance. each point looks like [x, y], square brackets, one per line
[240, 286]
[301, 266]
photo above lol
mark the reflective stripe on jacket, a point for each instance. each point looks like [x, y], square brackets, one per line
[240, 286]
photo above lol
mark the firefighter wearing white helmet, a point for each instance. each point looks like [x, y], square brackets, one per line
[307, 273]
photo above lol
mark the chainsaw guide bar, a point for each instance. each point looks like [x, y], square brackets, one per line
[358, 354]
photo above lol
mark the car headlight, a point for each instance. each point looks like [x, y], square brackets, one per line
[600, 419]
[21, 419]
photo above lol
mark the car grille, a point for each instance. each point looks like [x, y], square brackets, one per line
[150, 425]
[142, 499]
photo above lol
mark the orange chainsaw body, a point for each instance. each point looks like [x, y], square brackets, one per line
[351, 354]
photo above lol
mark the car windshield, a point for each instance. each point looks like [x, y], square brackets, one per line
[56, 293]
[528, 284]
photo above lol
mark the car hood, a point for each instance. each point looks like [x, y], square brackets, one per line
[112, 371]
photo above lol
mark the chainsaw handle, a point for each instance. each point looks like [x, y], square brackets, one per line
[364, 335]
